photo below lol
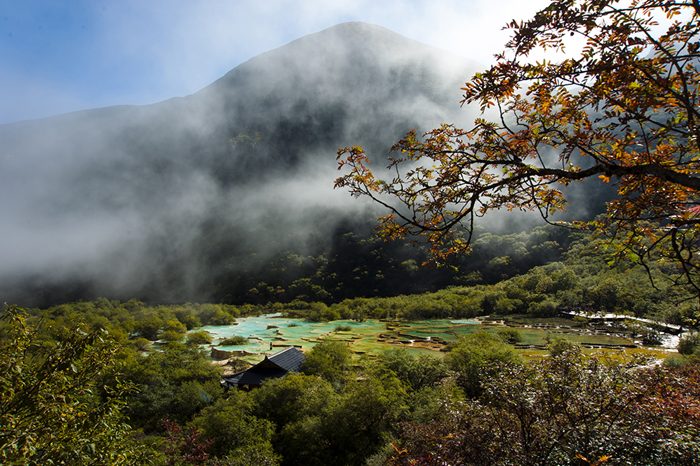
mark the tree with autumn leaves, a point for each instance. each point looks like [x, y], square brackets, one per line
[623, 109]
[568, 409]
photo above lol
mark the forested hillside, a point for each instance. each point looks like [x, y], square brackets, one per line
[144, 371]
[204, 197]
[175, 201]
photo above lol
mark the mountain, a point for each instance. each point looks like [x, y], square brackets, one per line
[196, 197]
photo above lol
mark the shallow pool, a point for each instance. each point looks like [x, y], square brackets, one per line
[270, 333]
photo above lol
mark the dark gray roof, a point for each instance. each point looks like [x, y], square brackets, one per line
[275, 366]
[289, 359]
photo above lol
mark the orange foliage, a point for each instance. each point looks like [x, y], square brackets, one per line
[625, 109]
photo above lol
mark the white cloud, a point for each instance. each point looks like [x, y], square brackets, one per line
[143, 52]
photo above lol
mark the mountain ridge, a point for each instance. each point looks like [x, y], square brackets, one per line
[171, 201]
[349, 28]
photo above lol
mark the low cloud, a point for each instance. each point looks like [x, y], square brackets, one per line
[160, 199]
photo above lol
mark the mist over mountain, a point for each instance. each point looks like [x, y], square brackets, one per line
[197, 197]
[156, 200]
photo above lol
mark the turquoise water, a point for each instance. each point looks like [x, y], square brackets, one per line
[272, 332]
[367, 336]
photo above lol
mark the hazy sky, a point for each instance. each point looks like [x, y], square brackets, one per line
[61, 56]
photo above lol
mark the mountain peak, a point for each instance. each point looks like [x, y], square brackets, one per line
[364, 33]
[164, 201]
[369, 39]
[347, 56]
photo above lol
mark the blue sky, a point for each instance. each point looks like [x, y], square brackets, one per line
[58, 56]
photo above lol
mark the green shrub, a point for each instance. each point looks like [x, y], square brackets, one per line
[675, 361]
[142, 344]
[582, 321]
[546, 308]
[328, 359]
[475, 356]
[559, 345]
[509, 335]
[235, 340]
[199, 338]
[688, 344]
[172, 335]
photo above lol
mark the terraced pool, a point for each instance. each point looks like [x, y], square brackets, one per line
[272, 332]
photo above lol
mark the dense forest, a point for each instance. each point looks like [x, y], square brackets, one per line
[141, 370]
[540, 272]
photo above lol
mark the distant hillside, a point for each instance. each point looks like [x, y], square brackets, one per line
[206, 196]
[158, 200]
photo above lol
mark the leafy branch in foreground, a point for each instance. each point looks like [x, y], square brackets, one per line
[53, 410]
[624, 109]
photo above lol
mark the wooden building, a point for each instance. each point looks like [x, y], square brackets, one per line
[275, 366]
